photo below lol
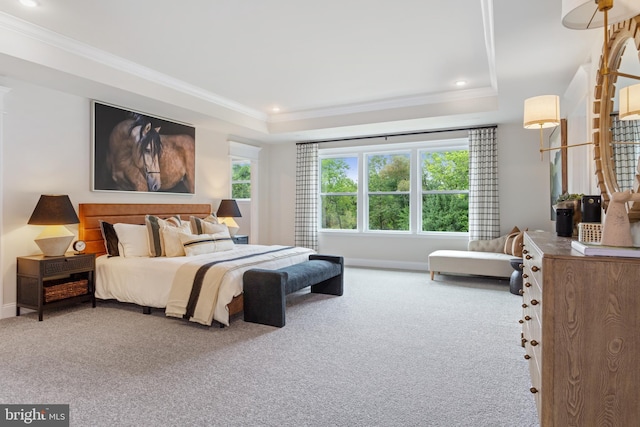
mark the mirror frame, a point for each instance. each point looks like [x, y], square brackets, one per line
[604, 94]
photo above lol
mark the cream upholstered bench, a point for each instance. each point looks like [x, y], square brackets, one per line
[484, 258]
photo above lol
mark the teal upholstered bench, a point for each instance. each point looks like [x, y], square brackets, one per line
[265, 290]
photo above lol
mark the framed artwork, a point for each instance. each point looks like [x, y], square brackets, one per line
[133, 151]
[558, 164]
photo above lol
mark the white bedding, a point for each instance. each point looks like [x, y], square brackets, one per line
[148, 281]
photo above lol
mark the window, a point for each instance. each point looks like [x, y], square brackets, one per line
[241, 179]
[445, 190]
[389, 184]
[339, 193]
[411, 188]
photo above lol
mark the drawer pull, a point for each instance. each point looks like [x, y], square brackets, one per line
[528, 257]
[534, 343]
[535, 302]
[524, 251]
[533, 390]
[520, 291]
[528, 285]
[524, 340]
[525, 275]
[527, 317]
[521, 321]
[524, 306]
[526, 356]
[534, 268]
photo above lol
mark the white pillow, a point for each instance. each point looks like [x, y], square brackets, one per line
[133, 239]
[197, 244]
[171, 239]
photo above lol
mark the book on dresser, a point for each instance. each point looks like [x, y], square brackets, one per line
[600, 250]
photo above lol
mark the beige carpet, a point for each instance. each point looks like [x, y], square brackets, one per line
[395, 350]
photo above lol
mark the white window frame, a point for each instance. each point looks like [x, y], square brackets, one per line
[415, 149]
[241, 160]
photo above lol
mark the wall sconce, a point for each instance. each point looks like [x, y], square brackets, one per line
[228, 210]
[542, 112]
[54, 212]
[583, 15]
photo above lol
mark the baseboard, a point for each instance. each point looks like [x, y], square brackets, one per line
[393, 265]
[8, 310]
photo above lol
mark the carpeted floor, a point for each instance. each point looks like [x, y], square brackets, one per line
[396, 350]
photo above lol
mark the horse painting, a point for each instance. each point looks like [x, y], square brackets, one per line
[139, 158]
[134, 153]
[177, 162]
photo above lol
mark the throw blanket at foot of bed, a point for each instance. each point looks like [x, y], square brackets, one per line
[265, 290]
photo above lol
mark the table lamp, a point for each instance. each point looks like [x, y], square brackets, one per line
[54, 211]
[228, 210]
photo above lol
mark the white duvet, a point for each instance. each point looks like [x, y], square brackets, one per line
[148, 281]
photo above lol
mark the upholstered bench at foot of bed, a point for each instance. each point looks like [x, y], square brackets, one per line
[470, 262]
[265, 290]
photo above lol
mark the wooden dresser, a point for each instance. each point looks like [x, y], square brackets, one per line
[581, 334]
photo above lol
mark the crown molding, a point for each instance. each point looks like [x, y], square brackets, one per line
[387, 104]
[83, 50]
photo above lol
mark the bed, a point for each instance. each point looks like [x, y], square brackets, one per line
[168, 282]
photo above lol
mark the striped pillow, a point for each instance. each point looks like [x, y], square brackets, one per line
[199, 225]
[154, 225]
[197, 244]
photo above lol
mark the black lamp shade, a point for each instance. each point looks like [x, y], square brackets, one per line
[54, 210]
[228, 208]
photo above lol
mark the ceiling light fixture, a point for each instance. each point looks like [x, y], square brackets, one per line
[275, 109]
[461, 83]
[540, 111]
[29, 3]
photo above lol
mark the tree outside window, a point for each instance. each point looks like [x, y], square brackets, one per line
[445, 191]
[389, 182]
[339, 193]
[417, 188]
[240, 179]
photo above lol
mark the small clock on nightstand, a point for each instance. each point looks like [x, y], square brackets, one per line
[79, 246]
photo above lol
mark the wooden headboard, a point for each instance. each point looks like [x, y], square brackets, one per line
[130, 213]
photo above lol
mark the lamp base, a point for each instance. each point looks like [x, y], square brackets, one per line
[54, 240]
[231, 225]
[54, 246]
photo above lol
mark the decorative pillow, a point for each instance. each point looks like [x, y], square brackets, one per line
[197, 244]
[171, 239]
[508, 244]
[516, 249]
[110, 238]
[133, 240]
[154, 224]
[198, 224]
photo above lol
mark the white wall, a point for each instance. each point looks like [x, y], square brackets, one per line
[524, 195]
[47, 150]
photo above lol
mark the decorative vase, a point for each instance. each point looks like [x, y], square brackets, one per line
[575, 205]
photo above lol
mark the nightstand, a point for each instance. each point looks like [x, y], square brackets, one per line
[241, 239]
[46, 281]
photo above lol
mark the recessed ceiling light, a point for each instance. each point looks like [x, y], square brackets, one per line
[461, 83]
[275, 109]
[29, 3]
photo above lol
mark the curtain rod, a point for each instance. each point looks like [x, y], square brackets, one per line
[391, 135]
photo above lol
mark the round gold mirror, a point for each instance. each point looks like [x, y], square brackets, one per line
[624, 36]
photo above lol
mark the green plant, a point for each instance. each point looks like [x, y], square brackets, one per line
[566, 196]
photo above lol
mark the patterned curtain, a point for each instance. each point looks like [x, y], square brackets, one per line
[306, 221]
[484, 207]
[625, 156]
